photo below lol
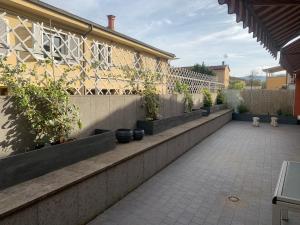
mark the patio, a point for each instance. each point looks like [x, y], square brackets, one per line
[236, 160]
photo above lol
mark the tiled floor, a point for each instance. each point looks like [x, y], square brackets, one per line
[237, 160]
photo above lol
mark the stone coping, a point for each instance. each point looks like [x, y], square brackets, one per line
[25, 194]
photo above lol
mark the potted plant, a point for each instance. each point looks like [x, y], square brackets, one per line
[285, 117]
[182, 88]
[207, 101]
[220, 100]
[43, 101]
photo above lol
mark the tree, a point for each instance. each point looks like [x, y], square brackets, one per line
[237, 84]
[203, 69]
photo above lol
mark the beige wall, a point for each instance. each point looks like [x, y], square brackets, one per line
[103, 112]
[275, 83]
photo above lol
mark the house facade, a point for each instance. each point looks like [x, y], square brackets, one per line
[222, 73]
[33, 31]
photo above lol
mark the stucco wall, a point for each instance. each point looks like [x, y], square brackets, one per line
[104, 112]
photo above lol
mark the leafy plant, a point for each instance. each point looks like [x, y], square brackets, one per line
[42, 99]
[144, 82]
[242, 108]
[207, 99]
[279, 112]
[184, 89]
[220, 97]
[284, 112]
[237, 85]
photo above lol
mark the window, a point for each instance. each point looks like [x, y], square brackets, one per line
[138, 64]
[74, 47]
[3, 37]
[48, 41]
[55, 44]
[103, 54]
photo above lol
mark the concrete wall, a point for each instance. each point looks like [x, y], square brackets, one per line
[262, 101]
[79, 202]
[104, 112]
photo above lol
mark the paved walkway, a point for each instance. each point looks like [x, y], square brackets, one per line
[237, 160]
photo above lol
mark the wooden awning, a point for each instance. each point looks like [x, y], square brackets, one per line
[273, 22]
[290, 57]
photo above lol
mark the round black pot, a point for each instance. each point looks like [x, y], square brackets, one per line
[124, 135]
[138, 134]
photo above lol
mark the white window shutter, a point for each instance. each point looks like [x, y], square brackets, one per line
[4, 48]
[37, 39]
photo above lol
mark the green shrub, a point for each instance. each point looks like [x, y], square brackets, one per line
[207, 99]
[203, 69]
[43, 100]
[237, 85]
[242, 108]
[184, 89]
[146, 88]
[220, 97]
[279, 112]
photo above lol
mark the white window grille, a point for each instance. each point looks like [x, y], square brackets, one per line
[4, 45]
[102, 55]
[55, 44]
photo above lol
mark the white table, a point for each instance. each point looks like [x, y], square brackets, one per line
[287, 192]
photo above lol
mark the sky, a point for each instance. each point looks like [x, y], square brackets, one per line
[195, 31]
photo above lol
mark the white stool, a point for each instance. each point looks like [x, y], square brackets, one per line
[255, 121]
[274, 121]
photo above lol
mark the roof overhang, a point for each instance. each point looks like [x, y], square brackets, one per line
[273, 69]
[273, 22]
[290, 57]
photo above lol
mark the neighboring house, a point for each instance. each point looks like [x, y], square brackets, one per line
[279, 81]
[222, 72]
[33, 31]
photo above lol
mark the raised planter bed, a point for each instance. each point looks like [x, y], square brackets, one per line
[218, 107]
[206, 111]
[264, 118]
[26, 166]
[287, 120]
[157, 126]
[215, 108]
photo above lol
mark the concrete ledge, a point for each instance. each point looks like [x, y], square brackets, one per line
[75, 194]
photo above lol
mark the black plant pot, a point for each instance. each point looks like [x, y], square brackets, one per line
[205, 111]
[138, 134]
[124, 135]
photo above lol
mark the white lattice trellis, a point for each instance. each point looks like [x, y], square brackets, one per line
[101, 64]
